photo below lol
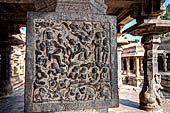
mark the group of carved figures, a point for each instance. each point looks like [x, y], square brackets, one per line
[72, 62]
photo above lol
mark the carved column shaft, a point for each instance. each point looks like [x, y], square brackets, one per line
[137, 67]
[165, 62]
[5, 83]
[150, 96]
[122, 64]
[119, 52]
[141, 64]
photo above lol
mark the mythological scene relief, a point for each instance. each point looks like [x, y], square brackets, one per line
[72, 60]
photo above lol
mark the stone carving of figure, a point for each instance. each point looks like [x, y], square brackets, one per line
[104, 75]
[94, 78]
[97, 43]
[158, 88]
[47, 36]
[153, 95]
[105, 50]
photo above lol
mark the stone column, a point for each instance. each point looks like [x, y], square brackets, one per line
[127, 66]
[119, 52]
[5, 74]
[137, 67]
[150, 96]
[122, 64]
[165, 62]
[73, 13]
[141, 65]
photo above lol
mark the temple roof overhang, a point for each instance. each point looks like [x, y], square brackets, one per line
[149, 26]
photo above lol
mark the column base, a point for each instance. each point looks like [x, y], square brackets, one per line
[151, 108]
[87, 111]
[5, 88]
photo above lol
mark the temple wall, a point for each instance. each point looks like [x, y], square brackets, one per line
[165, 81]
[168, 63]
[160, 63]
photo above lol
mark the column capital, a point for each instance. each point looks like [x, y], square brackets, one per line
[85, 6]
[147, 39]
[164, 56]
[119, 49]
[151, 42]
[141, 58]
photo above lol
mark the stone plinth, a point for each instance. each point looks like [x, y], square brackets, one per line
[87, 111]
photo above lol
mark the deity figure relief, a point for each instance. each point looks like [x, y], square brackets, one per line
[158, 88]
[153, 94]
[72, 63]
[97, 42]
[105, 50]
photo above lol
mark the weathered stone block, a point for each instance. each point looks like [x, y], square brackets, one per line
[71, 62]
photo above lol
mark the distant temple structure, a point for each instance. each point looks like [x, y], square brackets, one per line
[132, 64]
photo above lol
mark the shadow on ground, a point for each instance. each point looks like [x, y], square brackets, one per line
[129, 103]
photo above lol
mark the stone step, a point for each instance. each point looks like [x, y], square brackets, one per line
[16, 83]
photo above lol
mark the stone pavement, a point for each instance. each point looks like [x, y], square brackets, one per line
[13, 103]
[129, 98]
[129, 101]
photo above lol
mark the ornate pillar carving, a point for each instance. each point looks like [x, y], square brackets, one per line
[122, 64]
[5, 74]
[165, 62]
[141, 65]
[127, 66]
[150, 96]
[69, 56]
[137, 67]
[119, 53]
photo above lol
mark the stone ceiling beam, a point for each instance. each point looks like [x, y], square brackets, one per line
[16, 1]
[151, 26]
[121, 3]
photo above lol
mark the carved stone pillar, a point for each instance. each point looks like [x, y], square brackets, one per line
[5, 74]
[72, 49]
[122, 64]
[127, 66]
[141, 65]
[119, 52]
[150, 96]
[165, 62]
[137, 67]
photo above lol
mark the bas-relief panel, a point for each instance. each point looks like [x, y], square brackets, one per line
[72, 61]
